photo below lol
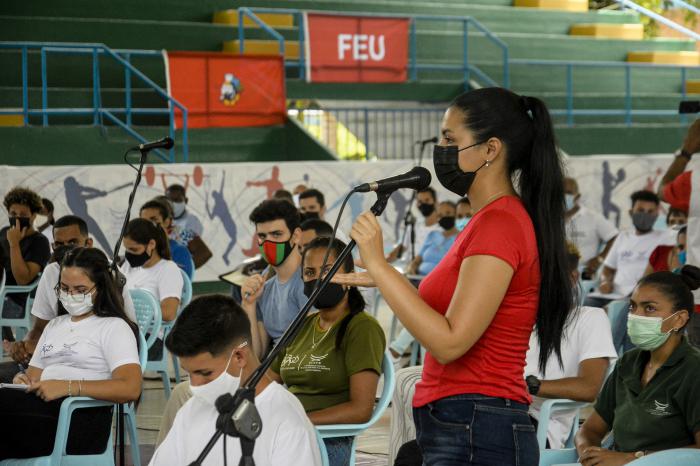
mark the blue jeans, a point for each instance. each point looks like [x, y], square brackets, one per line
[474, 429]
[339, 450]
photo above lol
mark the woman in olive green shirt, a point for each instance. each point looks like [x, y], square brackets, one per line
[651, 401]
[333, 364]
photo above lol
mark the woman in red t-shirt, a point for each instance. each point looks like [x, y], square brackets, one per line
[474, 312]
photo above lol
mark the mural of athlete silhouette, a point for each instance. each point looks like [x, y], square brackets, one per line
[272, 184]
[610, 182]
[222, 211]
[77, 196]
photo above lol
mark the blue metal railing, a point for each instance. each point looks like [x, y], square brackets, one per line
[98, 111]
[659, 18]
[628, 112]
[686, 6]
[414, 67]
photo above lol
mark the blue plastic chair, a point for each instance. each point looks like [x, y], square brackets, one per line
[184, 301]
[59, 457]
[353, 430]
[616, 310]
[22, 324]
[568, 454]
[585, 287]
[676, 456]
[130, 408]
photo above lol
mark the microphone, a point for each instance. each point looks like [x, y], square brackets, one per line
[165, 143]
[434, 140]
[417, 178]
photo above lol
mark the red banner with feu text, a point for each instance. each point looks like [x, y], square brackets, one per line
[356, 49]
[222, 90]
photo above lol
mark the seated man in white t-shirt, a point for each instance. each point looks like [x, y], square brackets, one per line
[211, 337]
[426, 202]
[69, 231]
[628, 258]
[587, 229]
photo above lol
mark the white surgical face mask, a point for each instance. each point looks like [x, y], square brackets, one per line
[76, 305]
[224, 383]
[296, 200]
[178, 209]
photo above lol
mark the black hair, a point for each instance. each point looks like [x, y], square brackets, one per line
[524, 126]
[676, 211]
[313, 193]
[177, 187]
[23, 196]
[68, 220]
[449, 203]
[48, 205]
[464, 200]
[644, 195]
[429, 190]
[142, 231]
[276, 209]
[284, 195]
[210, 323]
[683, 230]
[162, 208]
[108, 300]
[319, 226]
[356, 302]
[677, 287]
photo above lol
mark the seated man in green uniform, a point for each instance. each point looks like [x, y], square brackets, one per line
[651, 401]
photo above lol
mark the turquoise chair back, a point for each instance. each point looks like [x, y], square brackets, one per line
[616, 311]
[148, 314]
[676, 456]
[59, 457]
[22, 324]
[352, 430]
[585, 287]
[184, 301]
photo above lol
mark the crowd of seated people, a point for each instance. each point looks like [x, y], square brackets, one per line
[330, 372]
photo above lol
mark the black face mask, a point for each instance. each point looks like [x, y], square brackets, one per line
[136, 260]
[331, 295]
[310, 216]
[24, 222]
[446, 164]
[426, 209]
[447, 223]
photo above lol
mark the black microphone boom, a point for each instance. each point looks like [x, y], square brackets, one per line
[165, 143]
[417, 178]
[434, 140]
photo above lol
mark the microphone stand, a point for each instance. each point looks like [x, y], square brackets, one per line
[121, 279]
[238, 416]
[409, 220]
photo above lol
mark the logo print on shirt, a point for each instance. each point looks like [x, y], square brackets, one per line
[67, 350]
[45, 349]
[314, 364]
[660, 409]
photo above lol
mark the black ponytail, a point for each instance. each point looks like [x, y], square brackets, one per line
[356, 302]
[142, 231]
[524, 126]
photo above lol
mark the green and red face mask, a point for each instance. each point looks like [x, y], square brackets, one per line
[276, 253]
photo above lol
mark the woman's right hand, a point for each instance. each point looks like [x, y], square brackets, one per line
[21, 379]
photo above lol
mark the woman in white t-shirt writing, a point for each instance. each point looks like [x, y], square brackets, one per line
[148, 267]
[90, 349]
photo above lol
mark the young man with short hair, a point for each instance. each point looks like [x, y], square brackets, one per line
[272, 305]
[212, 339]
[312, 229]
[69, 231]
[160, 213]
[312, 204]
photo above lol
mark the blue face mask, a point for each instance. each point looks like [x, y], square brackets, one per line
[461, 223]
[570, 201]
[682, 257]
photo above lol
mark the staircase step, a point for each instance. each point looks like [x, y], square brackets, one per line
[263, 47]
[564, 5]
[274, 20]
[692, 87]
[609, 31]
[12, 119]
[687, 58]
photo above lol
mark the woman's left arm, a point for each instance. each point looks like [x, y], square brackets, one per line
[123, 387]
[481, 286]
[363, 390]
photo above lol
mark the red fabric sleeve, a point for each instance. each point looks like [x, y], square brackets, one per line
[677, 192]
[498, 234]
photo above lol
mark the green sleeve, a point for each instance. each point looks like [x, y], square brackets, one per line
[364, 345]
[691, 402]
[606, 402]
[277, 363]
